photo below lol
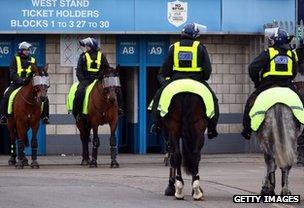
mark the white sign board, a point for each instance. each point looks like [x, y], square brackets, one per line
[177, 13]
[70, 49]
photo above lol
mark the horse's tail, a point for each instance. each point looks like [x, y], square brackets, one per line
[190, 157]
[284, 132]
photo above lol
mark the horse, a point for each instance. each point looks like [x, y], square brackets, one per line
[186, 121]
[278, 140]
[102, 109]
[26, 115]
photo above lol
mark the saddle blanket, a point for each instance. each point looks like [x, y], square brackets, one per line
[270, 97]
[71, 97]
[11, 101]
[184, 85]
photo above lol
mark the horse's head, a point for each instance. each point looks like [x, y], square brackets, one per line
[40, 82]
[111, 84]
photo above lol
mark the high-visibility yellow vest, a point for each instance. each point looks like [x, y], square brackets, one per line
[90, 61]
[186, 53]
[19, 66]
[279, 59]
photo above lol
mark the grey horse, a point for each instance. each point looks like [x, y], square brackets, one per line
[278, 140]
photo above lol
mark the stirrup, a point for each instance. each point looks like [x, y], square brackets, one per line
[246, 134]
[46, 120]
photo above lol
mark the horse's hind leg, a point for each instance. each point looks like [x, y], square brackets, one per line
[176, 162]
[269, 181]
[197, 191]
[34, 146]
[96, 143]
[170, 190]
[285, 174]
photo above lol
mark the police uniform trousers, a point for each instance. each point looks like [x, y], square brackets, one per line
[79, 96]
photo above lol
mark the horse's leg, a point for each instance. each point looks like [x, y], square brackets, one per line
[22, 136]
[34, 146]
[96, 143]
[197, 192]
[285, 174]
[170, 190]
[113, 145]
[177, 162]
[269, 181]
[12, 145]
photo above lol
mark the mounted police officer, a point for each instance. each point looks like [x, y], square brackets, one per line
[196, 65]
[276, 66]
[91, 64]
[20, 75]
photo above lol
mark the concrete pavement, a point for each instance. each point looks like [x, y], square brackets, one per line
[139, 182]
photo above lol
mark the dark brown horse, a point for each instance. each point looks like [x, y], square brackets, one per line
[103, 109]
[185, 122]
[26, 115]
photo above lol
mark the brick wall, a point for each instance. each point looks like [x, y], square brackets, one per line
[229, 56]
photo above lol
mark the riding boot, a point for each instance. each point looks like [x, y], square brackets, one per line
[120, 103]
[246, 133]
[212, 132]
[45, 115]
[3, 110]
[156, 123]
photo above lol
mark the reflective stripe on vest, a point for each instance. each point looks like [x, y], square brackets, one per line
[90, 61]
[287, 61]
[187, 50]
[19, 66]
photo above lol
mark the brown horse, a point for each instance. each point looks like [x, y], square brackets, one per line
[103, 109]
[186, 121]
[26, 115]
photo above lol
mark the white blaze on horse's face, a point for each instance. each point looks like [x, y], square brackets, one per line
[41, 85]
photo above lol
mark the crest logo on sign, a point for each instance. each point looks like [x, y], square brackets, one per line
[177, 12]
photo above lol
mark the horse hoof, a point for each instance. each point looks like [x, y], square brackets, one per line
[170, 190]
[93, 164]
[25, 162]
[197, 191]
[85, 162]
[19, 165]
[267, 191]
[285, 192]
[12, 161]
[114, 164]
[35, 165]
[179, 190]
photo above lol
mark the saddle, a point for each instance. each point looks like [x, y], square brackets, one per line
[71, 97]
[181, 86]
[270, 97]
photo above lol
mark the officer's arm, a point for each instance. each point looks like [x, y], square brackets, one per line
[257, 65]
[13, 73]
[104, 64]
[80, 68]
[300, 55]
[166, 69]
[204, 62]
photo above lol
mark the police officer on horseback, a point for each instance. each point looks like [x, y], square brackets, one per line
[187, 58]
[276, 66]
[20, 75]
[91, 64]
